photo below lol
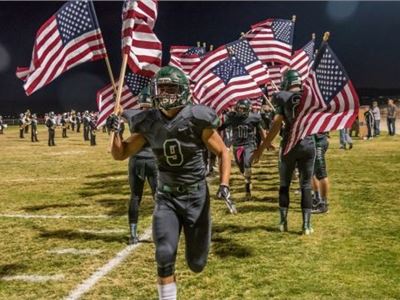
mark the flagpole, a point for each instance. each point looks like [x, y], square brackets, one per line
[119, 92]
[269, 102]
[120, 83]
[110, 73]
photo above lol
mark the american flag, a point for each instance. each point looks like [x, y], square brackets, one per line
[275, 74]
[242, 50]
[138, 38]
[272, 40]
[134, 83]
[209, 61]
[329, 100]
[186, 57]
[302, 60]
[70, 37]
[227, 82]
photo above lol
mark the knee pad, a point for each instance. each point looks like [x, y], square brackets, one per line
[284, 196]
[197, 267]
[165, 271]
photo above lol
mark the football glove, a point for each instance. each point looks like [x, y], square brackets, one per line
[224, 193]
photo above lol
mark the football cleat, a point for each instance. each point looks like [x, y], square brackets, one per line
[307, 230]
[133, 240]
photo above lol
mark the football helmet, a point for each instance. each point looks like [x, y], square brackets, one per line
[289, 79]
[243, 107]
[170, 88]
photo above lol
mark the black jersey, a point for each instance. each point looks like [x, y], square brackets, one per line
[286, 105]
[244, 128]
[177, 143]
[130, 115]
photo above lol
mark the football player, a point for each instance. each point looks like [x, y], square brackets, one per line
[245, 126]
[178, 133]
[302, 154]
[141, 166]
[320, 178]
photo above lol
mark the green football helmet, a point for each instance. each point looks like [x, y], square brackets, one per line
[170, 88]
[290, 78]
[144, 97]
[243, 107]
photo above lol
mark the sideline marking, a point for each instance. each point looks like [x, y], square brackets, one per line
[23, 216]
[104, 231]
[75, 251]
[34, 278]
[87, 284]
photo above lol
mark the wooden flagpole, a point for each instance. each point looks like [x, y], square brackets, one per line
[120, 83]
[110, 73]
[119, 92]
[269, 102]
[326, 36]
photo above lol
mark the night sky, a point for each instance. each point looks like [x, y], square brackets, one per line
[364, 35]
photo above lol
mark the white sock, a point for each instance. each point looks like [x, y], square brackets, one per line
[167, 291]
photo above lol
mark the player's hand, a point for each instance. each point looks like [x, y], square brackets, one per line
[256, 156]
[270, 147]
[223, 192]
[115, 122]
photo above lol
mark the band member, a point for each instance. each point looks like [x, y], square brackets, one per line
[27, 120]
[1, 125]
[72, 120]
[64, 125]
[34, 123]
[86, 125]
[21, 123]
[78, 122]
[92, 129]
[51, 126]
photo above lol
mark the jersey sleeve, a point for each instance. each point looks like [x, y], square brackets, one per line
[205, 117]
[138, 122]
[130, 115]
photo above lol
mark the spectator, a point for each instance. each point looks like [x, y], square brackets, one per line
[369, 119]
[391, 117]
[377, 116]
[345, 139]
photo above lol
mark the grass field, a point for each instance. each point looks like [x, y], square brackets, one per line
[354, 252]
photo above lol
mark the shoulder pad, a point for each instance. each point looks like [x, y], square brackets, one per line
[139, 120]
[255, 117]
[281, 98]
[205, 117]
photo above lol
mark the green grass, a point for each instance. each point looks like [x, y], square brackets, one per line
[354, 253]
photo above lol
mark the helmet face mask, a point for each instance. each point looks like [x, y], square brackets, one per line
[243, 107]
[170, 89]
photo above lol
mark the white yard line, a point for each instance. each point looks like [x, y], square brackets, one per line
[75, 251]
[87, 284]
[27, 216]
[33, 278]
[104, 231]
